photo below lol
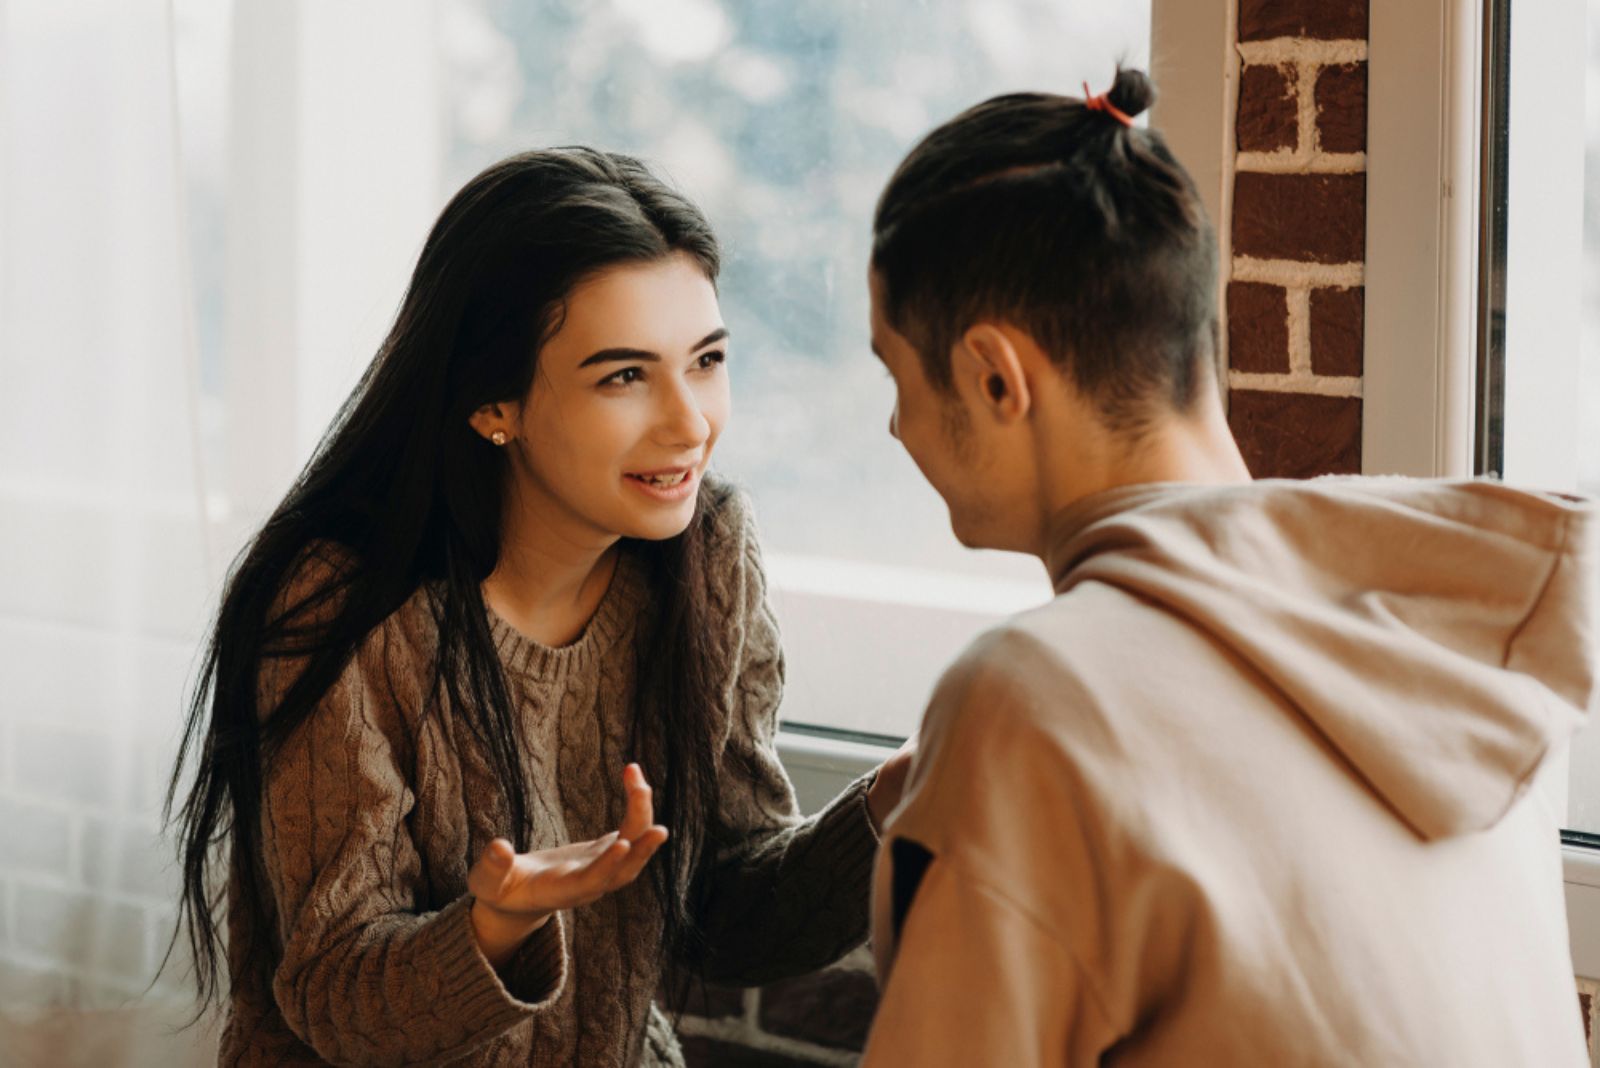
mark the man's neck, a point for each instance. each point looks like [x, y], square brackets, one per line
[1195, 448]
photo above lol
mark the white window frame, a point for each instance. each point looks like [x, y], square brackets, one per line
[1424, 142]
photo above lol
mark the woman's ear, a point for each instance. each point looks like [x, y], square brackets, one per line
[495, 422]
[988, 359]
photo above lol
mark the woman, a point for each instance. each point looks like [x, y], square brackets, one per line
[503, 576]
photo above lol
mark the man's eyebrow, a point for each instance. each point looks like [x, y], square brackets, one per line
[616, 355]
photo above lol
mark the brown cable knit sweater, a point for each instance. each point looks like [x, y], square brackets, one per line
[372, 819]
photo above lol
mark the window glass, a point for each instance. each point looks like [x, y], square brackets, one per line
[782, 120]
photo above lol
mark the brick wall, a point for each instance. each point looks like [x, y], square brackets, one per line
[87, 886]
[1299, 221]
[86, 883]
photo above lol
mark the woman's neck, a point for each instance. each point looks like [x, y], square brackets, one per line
[552, 573]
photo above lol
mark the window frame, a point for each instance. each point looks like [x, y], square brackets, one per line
[1426, 282]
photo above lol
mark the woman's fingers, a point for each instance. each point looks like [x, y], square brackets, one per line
[574, 874]
[641, 807]
[639, 856]
[491, 874]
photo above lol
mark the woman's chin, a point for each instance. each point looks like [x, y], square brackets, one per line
[660, 523]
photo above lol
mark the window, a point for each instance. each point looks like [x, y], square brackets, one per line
[1537, 381]
[1575, 438]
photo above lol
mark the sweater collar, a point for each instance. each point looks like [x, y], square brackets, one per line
[614, 617]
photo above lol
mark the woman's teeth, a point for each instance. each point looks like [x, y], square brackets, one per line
[663, 480]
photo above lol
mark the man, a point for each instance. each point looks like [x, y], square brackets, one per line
[1255, 787]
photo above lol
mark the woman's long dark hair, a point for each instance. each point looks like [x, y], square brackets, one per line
[407, 493]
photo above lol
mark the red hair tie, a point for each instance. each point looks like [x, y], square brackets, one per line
[1100, 103]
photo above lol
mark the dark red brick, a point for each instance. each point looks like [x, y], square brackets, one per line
[1337, 330]
[1269, 114]
[1296, 435]
[1324, 20]
[710, 1053]
[833, 1007]
[1317, 217]
[1258, 328]
[1341, 99]
[702, 999]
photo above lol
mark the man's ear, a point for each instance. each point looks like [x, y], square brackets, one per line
[987, 359]
[499, 417]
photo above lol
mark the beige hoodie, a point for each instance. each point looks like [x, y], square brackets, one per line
[1253, 789]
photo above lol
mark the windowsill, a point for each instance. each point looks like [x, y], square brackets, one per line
[820, 765]
[1581, 872]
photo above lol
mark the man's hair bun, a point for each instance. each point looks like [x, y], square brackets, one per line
[1132, 93]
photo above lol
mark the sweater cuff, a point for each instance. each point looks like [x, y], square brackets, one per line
[474, 990]
[846, 825]
[538, 969]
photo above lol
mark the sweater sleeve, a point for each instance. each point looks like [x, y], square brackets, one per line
[785, 894]
[365, 975]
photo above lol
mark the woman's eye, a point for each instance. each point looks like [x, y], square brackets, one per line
[624, 377]
[711, 359]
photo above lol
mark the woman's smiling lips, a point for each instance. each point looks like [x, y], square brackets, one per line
[667, 484]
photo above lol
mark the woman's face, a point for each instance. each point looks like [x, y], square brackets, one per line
[627, 404]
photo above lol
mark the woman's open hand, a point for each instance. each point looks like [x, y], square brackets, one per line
[516, 893]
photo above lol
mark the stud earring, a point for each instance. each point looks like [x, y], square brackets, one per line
[498, 437]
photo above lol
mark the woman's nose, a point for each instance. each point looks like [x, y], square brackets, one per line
[683, 422]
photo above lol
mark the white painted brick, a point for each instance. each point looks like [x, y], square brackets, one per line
[34, 839]
[29, 986]
[147, 778]
[73, 675]
[95, 554]
[177, 979]
[73, 766]
[56, 674]
[104, 940]
[129, 859]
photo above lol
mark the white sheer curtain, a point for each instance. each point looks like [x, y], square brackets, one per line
[208, 209]
[103, 569]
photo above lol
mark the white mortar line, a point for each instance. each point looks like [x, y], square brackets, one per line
[1291, 273]
[1299, 301]
[1305, 96]
[1316, 385]
[1284, 161]
[1301, 50]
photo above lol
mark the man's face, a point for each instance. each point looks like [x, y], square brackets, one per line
[939, 432]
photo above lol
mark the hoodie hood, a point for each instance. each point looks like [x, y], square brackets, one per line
[1440, 635]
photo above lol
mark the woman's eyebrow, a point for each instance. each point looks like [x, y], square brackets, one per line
[619, 354]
